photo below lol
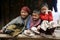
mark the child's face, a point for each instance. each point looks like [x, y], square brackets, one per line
[43, 9]
[35, 16]
[24, 14]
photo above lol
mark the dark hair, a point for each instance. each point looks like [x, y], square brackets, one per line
[36, 11]
[43, 4]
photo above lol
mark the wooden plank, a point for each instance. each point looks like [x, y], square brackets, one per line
[24, 37]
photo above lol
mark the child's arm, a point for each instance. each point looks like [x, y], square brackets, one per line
[50, 16]
[12, 22]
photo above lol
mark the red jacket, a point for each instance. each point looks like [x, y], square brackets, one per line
[47, 17]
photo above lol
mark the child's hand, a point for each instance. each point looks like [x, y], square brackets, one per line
[1, 31]
[27, 32]
[48, 11]
[38, 27]
[34, 29]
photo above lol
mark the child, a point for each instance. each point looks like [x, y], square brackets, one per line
[34, 22]
[23, 18]
[46, 15]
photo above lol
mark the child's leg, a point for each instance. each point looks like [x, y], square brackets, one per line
[42, 31]
[50, 31]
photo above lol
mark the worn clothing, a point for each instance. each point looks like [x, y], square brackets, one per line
[54, 5]
[32, 23]
[18, 20]
[47, 17]
[48, 31]
[47, 27]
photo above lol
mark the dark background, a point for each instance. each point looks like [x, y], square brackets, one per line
[11, 8]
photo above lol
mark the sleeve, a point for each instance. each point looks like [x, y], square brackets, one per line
[28, 25]
[50, 16]
[12, 22]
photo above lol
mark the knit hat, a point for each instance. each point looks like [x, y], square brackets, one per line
[25, 8]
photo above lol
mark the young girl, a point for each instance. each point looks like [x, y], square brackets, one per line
[47, 16]
[45, 13]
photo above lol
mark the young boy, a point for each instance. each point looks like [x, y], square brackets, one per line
[35, 19]
[34, 23]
